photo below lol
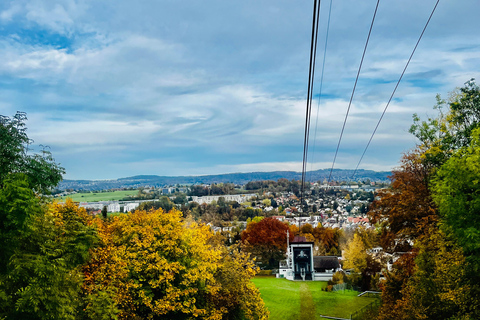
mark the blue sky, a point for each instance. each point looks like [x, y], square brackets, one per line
[120, 88]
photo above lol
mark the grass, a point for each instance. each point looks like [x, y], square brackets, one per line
[100, 196]
[291, 300]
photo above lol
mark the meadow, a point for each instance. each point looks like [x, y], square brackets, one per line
[292, 300]
[100, 196]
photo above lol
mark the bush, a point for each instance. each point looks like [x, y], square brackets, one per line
[338, 277]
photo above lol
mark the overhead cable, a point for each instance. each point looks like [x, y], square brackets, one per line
[311, 76]
[320, 90]
[395, 89]
[353, 91]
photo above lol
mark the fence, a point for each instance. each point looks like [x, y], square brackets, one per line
[370, 311]
[344, 286]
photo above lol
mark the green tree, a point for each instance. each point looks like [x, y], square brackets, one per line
[18, 205]
[180, 199]
[104, 212]
[450, 130]
[41, 170]
[44, 278]
[457, 194]
[164, 202]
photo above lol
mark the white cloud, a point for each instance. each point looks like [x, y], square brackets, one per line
[93, 132]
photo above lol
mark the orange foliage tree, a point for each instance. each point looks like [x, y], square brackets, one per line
[267, 240]
[406, 210]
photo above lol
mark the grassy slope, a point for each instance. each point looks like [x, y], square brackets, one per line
[100, 196]
[284, 298]
[280, 296]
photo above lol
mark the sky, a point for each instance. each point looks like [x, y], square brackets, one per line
[122, 88]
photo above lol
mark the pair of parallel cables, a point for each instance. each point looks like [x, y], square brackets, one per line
[316, 14]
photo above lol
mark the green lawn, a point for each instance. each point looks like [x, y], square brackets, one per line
[100, 196]
[291, 300]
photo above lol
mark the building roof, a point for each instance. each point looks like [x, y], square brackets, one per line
[325, 262]
[300, 239]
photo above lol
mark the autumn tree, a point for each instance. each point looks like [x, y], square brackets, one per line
[406, 209]
[157, 265]
[355, 255]
[363, 264]
[267, 240]
[327, 240]
[430, 283]
[237, 296]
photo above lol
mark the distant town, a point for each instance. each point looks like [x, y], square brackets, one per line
[225, 206]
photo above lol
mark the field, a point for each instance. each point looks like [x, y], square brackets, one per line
[291, 300]
[100, 196]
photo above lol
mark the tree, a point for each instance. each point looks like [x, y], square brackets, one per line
[164, 202]
[406, 209]
[327, 240]
[180, 199]
[157, 265]
[355, 255]
[431, 283]
[104, 212]
[267, 240]
[18, 206]
[449, 131]
[41, 170]
[363, 265]
[237, 293]
[335, 205]
[44, 278]
[457, 194]
[274, 203]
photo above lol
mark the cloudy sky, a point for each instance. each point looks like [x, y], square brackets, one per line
[120, 88]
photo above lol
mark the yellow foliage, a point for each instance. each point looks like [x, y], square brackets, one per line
[155, 263]
[355, 254]
[158, 265]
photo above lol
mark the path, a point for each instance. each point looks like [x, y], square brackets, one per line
[307, 305]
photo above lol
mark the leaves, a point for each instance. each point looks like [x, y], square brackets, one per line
[267, 239]
[158, 265]
[43, 278]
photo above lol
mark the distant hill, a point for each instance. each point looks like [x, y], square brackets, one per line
[237, 178]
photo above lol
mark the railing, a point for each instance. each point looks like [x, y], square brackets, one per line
[369, 293]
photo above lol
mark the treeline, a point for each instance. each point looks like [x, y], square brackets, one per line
[213, 189]
[282, 185]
